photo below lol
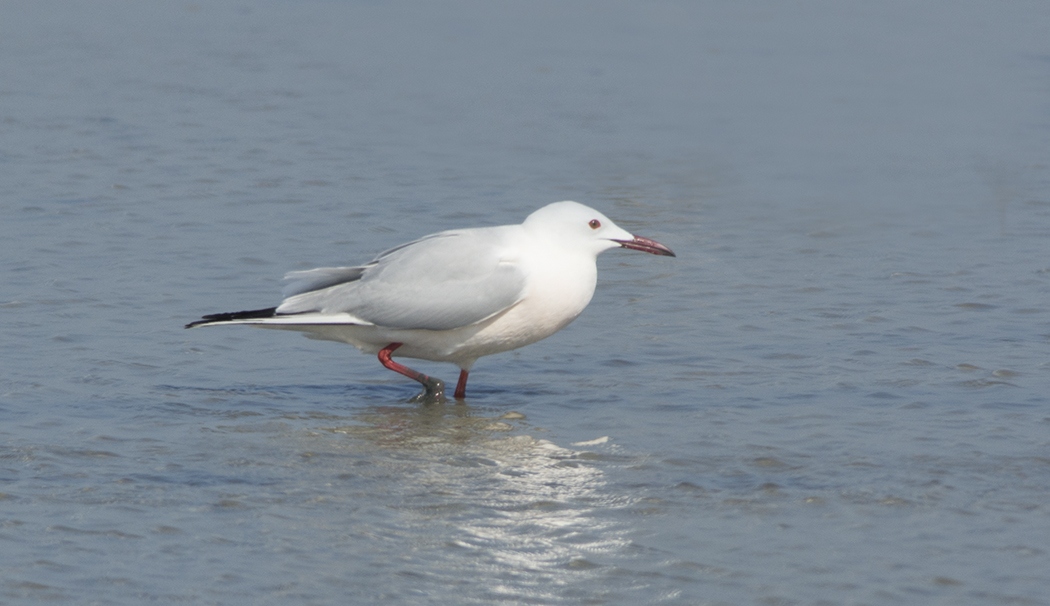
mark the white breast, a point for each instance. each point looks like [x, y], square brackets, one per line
[559, 289]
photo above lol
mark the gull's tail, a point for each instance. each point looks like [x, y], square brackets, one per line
[234, 316]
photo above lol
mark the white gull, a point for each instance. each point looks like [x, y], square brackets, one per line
[454, 296]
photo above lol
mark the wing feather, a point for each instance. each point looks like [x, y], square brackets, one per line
[445, 281]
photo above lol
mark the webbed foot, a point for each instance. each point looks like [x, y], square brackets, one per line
[433, 392]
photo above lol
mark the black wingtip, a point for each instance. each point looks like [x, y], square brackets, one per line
[234, 315]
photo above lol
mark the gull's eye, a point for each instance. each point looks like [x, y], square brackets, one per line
[595, 224]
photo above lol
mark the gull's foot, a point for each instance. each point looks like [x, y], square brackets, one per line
[433, 392]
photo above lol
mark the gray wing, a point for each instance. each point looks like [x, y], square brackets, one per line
[299, 282]
[440, 282]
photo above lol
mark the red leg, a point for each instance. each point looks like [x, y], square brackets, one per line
[384, 358]
[461, 387]
[432, 387]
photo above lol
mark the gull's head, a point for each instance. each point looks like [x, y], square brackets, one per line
[574, 225]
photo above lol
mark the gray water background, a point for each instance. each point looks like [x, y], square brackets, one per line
[838, 393]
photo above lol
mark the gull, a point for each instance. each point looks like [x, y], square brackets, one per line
[456, 295]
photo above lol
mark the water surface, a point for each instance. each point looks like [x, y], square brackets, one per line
[837, 393]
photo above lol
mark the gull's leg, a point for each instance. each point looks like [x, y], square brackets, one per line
[433, 388]
[461, 387]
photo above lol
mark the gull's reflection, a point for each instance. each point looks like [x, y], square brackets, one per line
[512, 499]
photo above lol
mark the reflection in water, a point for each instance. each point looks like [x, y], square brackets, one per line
[514, 502]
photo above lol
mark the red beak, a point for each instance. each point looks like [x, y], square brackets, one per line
[646, 245]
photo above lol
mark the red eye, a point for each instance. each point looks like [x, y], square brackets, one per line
[595, 224]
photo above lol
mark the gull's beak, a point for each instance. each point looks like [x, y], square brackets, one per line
[646, 245]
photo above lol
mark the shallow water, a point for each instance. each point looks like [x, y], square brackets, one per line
[837, 393]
